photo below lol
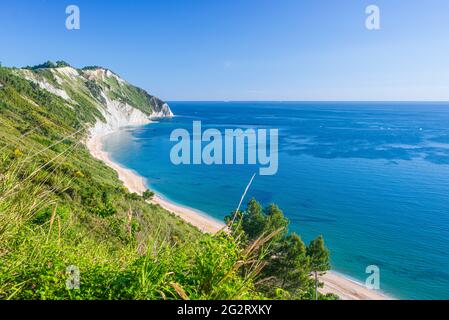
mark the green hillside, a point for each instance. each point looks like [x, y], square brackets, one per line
[60, 207]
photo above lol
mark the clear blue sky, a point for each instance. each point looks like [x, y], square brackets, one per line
[243, 49]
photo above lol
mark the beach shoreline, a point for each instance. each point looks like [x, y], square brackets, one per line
[349, 289]
[336, 283]
[137, 184]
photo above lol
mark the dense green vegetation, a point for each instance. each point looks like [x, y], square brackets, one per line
[287, 262]
[148, 195]
[49, 64]
[61, 210]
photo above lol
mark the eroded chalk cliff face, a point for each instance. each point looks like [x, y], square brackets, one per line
[107, 101]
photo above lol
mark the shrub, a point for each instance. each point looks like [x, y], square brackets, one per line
[148, 195]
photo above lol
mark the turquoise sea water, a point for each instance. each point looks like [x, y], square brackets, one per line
[373, 178]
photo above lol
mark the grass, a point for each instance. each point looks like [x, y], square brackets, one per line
[139, 252]
[62, 210]
[59, 208]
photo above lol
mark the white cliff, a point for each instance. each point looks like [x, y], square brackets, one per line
[119, 103]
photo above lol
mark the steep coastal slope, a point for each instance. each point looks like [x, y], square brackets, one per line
[65, 214]
[97, 94]
[62, 210]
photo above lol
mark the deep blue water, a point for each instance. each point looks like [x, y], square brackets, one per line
[373, 178]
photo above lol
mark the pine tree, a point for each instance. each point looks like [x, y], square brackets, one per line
[319, 259]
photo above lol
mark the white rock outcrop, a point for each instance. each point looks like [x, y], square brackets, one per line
[45, 85]
[117, 115]
[116, 112]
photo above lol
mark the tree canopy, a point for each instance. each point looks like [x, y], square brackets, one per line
[287, 262]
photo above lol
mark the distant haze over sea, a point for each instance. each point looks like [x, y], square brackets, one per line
[372, 178]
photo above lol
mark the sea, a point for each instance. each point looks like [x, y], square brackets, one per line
[372, 178]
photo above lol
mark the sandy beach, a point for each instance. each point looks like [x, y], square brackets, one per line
[136, 183]
[348, 289]
[340, 285]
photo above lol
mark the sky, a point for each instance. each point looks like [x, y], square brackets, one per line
[243, 49]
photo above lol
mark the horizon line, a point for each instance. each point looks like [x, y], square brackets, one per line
[314, 101]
